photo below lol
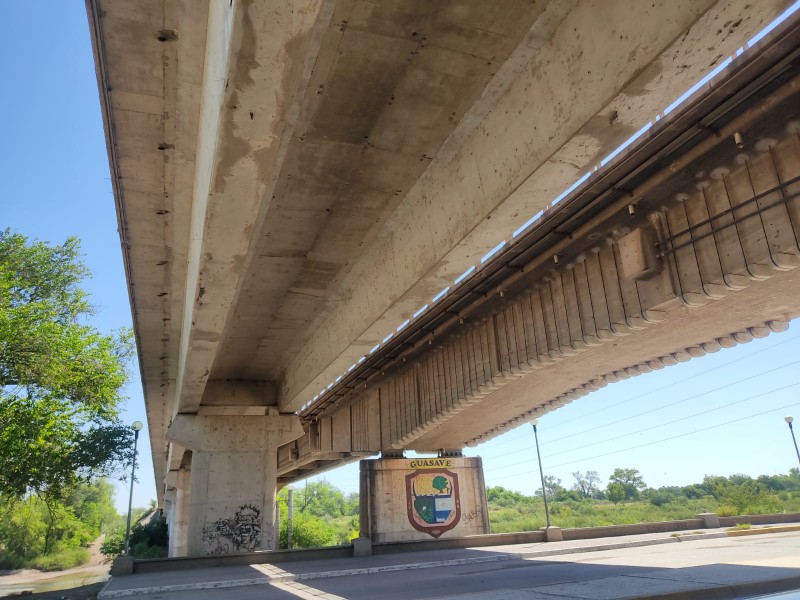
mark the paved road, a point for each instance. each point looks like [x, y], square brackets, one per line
[714, 566]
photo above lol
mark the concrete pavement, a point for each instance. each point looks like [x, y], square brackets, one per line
[703, 565]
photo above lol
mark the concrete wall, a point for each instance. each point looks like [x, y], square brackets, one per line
[586, 533]
[496, 539]
[760, 519]
[422, 498]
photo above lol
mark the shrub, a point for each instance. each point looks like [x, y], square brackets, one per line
[660, 499]
[727, 511]
[9, 561]
[66, 559]
[145, 550]
[308, 531]
[114, 544]
[148, 540]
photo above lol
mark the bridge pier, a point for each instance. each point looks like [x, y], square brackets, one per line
[422, 498]
[177, 498]
[233, 482]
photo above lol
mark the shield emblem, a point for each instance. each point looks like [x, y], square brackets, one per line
[432, 501]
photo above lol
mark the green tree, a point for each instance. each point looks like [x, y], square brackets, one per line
[60, 378]
[615, 492]
[741, 494]
[308, 529]
[553, 486]
[630, 480]
[586, 484]
[32, 526]
[321, 499]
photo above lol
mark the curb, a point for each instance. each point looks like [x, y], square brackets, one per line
[722, 593]
[777, 529]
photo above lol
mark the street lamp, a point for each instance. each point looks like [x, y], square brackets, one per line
[534, 422]
[791, 429]
[137, 427]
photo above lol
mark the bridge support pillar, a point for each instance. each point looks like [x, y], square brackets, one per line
[177, 496]
[231, 503]
[422, 498]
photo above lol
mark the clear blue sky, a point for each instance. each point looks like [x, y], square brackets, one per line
[56, 183]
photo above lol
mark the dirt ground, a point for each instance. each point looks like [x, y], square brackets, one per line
[79, 583]
[84, 592]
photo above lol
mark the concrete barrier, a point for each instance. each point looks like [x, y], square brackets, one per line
[474, 541]
[772, 519]
[159, 565]
[586, 533]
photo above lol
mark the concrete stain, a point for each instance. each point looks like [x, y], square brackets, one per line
[639, 84]
[231, 148]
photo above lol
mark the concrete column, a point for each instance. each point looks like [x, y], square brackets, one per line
[179, 513]
[232, 493]
[421, 498]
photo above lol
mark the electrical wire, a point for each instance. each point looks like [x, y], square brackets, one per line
[682, 381]
[674, 437]
[704, 412]
[700, 395]
[759, 414]
[668, 406]
[500, 443]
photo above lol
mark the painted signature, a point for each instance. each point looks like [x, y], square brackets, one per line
[472, 515]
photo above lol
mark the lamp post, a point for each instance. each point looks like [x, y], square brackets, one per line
[535, 422]
[791, 429]
[137, 427]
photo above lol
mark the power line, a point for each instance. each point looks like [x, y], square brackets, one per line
[659, 389]
[759, 414]
[665, 387]
[766, 412]
[700, 395]
[675, 420]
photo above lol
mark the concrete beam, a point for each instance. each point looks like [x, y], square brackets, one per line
[724, 269]
[191, 377]
[257, 68]
[562, 112]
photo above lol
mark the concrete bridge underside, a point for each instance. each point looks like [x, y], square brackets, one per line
[296, 179]
[728, 274]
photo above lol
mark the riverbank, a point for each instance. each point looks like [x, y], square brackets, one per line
[82, 582]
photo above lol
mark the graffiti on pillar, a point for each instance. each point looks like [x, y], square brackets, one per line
[433, 504]
[241, 533]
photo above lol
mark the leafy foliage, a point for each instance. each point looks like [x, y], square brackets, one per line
[727, 496]
[625, 482]
[587, 484]
[60, 379]
[149, 536]
[323, 516]
[32, 528]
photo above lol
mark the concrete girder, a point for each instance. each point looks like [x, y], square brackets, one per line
[390, 82]
[501, 172]
[151, 132]
[743, 218]
[249, 111]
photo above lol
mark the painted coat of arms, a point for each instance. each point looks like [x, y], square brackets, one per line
[432, 501]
